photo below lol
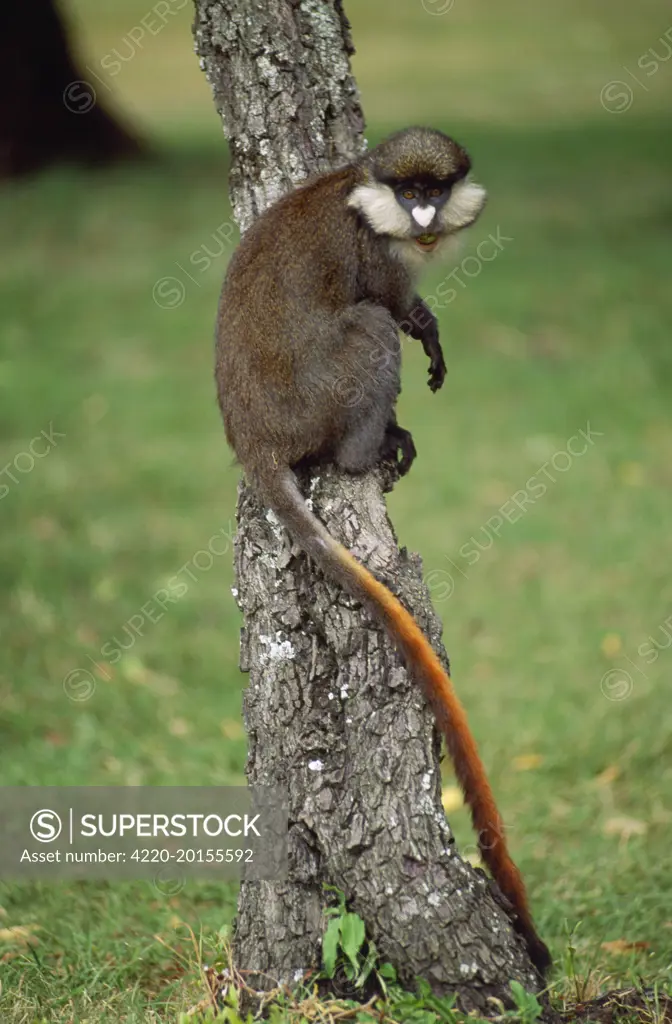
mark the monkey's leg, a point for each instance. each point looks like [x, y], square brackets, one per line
[422, 325]
[369, 361]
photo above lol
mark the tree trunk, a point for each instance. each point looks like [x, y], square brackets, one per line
[330, 711]
[49, 112]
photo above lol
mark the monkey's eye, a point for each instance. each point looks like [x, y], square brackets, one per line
[408, 193]
[435, 192]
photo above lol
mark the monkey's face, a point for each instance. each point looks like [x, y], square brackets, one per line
[437, 208]
[416, 189]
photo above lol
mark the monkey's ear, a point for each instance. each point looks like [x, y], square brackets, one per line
[466, 203]
[379, 206]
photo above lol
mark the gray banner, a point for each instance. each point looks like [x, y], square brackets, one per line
[169, 832]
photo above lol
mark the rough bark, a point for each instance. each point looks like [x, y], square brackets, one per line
[49, 112]
[329, 709]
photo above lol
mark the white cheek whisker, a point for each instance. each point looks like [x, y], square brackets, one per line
[466, 202]
[379, 205]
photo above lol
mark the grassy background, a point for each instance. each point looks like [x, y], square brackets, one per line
[569, 325]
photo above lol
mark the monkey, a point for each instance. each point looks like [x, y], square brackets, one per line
[308, 369]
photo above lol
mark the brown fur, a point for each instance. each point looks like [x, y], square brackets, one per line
[420, 152]
[290, 351]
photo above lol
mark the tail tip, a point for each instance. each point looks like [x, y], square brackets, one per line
[539, 953]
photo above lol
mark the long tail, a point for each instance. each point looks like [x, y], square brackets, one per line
[282, 492]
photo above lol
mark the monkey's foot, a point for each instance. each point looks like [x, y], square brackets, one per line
[398, 447]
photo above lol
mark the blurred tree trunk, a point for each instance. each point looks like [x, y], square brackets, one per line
[329, 709]
[49, 113]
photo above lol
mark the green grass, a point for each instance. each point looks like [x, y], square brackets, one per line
[569, 325]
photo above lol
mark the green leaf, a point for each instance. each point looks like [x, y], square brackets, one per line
[330, 946]
[443, 1007]
[388, 972]
[424, 1017]
[233, 997]
[368, 966]
[519, 994]
[424, 988]
[526, 1002]
[352, 937]
[230, 1015]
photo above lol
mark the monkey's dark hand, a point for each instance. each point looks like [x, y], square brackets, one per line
[423, 325]
[437, 371]
[398, 442]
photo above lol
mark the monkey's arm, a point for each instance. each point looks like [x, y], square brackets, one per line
[421, 324]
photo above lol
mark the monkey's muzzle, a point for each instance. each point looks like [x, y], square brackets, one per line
[427, 243]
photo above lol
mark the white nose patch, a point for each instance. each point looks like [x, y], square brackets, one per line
[424, 215]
